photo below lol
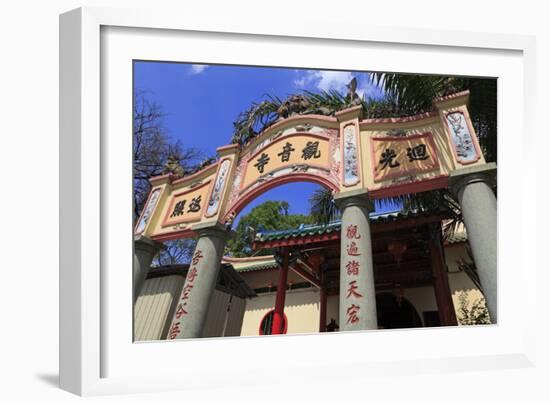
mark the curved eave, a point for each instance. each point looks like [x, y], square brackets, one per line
[331, 232]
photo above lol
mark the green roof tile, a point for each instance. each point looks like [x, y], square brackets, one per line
[260, 266]
[310, 230]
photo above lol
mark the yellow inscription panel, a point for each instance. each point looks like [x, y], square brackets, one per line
[393, 157]
[187, 206]
[298, 149]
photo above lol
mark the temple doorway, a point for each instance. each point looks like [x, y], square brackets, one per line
[396, 312]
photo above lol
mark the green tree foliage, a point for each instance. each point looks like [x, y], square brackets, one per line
[271, 215]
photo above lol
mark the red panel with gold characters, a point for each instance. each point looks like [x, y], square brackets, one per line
[397, 156]
[187, 206]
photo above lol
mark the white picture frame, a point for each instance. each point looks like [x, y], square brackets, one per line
[97, 355]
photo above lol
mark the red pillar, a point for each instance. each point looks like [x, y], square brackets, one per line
[443, 297]
[323, 303]
[278, 316]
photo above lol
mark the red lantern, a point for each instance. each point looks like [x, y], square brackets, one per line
[397, 249]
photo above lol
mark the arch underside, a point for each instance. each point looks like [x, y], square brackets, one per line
[249, 195]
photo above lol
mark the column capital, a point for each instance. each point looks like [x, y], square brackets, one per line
[145, 250]
[353, 112]
[354, 198]
[216, 230]
[480, 173]
[145, 243]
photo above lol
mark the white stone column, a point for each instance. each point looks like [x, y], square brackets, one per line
[145, 250]
[193, 303]
[472, 187]
[357, 292]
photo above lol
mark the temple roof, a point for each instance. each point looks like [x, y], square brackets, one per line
[244, 264]
[228, 281]
[314, 235]
[320, 229]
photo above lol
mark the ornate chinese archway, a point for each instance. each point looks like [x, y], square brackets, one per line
[384, 157]
[358, 159]
[307, 150]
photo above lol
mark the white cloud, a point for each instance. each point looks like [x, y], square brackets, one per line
[333, 80]
[325, 80]
[198, 68]
[301, 82]
[336, 80]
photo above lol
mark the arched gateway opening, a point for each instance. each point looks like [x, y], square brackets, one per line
[396, 312]
[345, 263]
[240, 204]
[280, 282]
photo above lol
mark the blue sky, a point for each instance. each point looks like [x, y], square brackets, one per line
[201, 102]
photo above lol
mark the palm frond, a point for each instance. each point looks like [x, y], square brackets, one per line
[415, 92]
[332, 100]
[469, 267]
[255, 119]
[323, 207]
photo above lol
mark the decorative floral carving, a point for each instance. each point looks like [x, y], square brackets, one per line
[266, 177]
[303, 128]
[238, 177]
[277, 135]
[336, 159]
[300, 168]
[195, 184]
[230, 218]
[397, 133]
[462, 138]
[148, 211]
[410, 178]
[216, 195]
[351, 165]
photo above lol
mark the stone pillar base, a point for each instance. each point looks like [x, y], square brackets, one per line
[193, 303]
